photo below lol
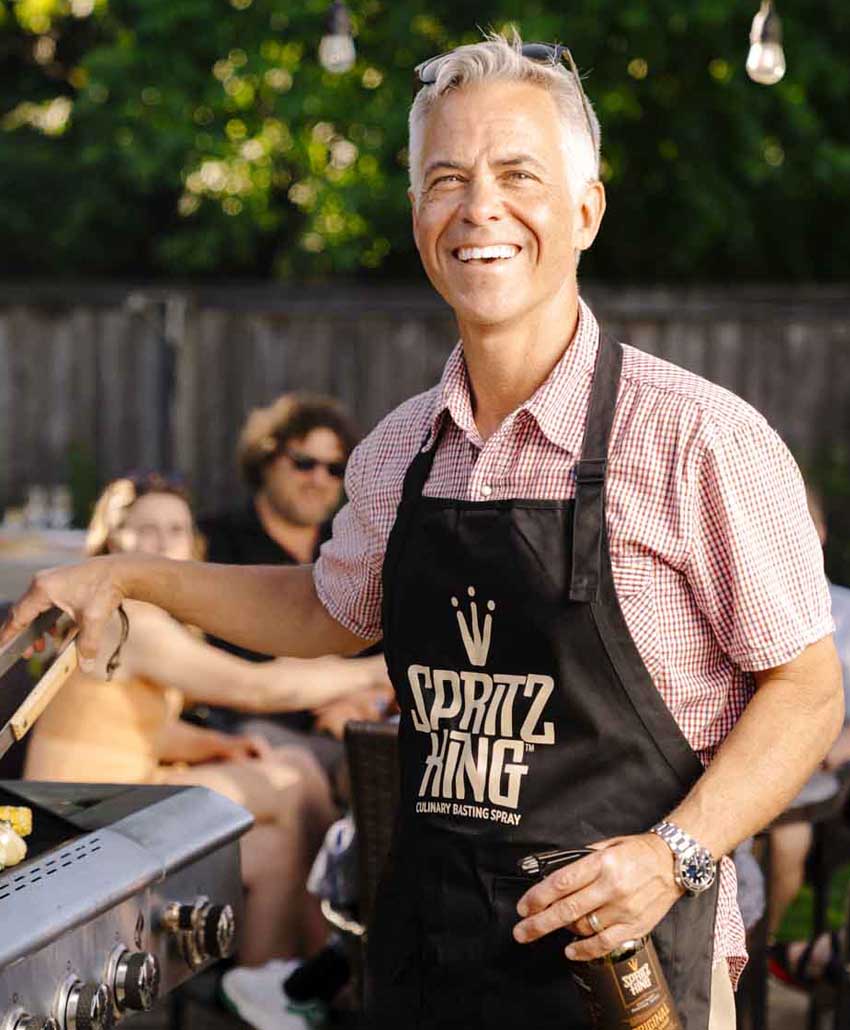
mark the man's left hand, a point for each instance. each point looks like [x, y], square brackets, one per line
[628, 884]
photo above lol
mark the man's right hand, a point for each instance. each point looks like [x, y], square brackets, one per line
[89, 593]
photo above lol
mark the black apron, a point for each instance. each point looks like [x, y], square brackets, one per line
[528, 722]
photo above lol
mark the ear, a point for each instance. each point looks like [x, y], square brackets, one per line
[414, 217]
[588, 215]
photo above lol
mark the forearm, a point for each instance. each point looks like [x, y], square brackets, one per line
[270, 609]
[778, 742]
[292, 684]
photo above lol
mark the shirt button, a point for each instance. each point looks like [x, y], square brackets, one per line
[486, 490]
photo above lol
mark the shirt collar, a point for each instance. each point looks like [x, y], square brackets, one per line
[559, 405]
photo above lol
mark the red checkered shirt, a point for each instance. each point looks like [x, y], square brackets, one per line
[716, 562]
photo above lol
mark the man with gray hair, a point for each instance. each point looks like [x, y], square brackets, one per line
[601, 596]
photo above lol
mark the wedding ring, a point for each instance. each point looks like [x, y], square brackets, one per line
[595, 925]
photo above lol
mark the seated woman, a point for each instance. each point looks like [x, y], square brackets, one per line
[129, 729]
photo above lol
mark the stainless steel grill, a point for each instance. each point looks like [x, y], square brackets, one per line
[126, 891]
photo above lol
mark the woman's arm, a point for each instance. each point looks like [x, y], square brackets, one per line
[163, 651]
[183, 742]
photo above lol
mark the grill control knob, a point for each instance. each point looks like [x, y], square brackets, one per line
[219, 930]
[203, 931]
[20, 1020]
[135, 984]
[89, 1007]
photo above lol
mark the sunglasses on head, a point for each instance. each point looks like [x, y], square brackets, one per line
[147, 481]
[150, 479]
[304, 463]
[544, 53]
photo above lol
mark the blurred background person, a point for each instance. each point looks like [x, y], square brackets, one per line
[802, 963]
[129, 730]
[292, 456]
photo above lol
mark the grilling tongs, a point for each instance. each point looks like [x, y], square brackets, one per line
[46, 688]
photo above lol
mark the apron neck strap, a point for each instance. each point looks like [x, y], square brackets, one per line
[420, 468]
[589, 512]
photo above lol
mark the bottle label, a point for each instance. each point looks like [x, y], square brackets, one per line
[628, 992]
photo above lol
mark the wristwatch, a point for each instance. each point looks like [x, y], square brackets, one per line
[694, 869]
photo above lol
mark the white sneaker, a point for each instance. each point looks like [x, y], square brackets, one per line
[257, 996]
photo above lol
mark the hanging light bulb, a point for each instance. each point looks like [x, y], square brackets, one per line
[766, 59]
[336, 50]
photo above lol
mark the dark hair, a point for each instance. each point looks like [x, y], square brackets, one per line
[291, 417]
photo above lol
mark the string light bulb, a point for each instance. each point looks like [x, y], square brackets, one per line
[336, 50]
[766, 59]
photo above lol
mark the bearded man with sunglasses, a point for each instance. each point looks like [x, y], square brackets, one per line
[291, 456]
[601, 597]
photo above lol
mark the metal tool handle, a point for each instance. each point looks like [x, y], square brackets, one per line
[44, 691]
[14, 650]
[544, 862]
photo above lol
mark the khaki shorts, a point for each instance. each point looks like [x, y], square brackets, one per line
[722, 1013]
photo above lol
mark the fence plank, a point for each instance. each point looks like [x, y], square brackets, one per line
[84, 369]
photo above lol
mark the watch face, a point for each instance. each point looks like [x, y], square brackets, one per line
[697, 870]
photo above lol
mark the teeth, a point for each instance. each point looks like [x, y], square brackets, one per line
[500, 250]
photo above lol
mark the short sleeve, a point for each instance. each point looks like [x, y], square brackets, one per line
[755, 563]
[347, 574]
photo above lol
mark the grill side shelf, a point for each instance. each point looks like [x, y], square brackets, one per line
[68, 887]
[186, 825]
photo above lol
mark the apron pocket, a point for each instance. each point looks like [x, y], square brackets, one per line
[531, 983]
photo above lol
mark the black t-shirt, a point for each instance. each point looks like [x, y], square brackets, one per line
[238, 538]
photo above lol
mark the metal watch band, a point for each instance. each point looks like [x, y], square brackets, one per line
[684, 846]
[675, 838]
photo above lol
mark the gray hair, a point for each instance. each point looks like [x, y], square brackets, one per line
[498, 59]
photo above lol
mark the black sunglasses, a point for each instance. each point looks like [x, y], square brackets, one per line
[304, 463]
[544, 53]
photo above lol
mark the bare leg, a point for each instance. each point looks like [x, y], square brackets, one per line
[790, 845]
[273, 896]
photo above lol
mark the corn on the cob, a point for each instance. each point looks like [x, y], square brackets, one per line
[18, 817]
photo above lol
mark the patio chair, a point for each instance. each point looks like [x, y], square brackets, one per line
[372, 753]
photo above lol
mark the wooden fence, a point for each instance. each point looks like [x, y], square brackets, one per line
[126, 377]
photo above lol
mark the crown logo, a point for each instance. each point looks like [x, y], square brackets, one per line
[633, 964]
[476, 638]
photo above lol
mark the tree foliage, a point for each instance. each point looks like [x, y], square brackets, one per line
[201, 138]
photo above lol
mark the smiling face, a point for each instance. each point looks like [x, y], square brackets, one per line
[495, 224]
